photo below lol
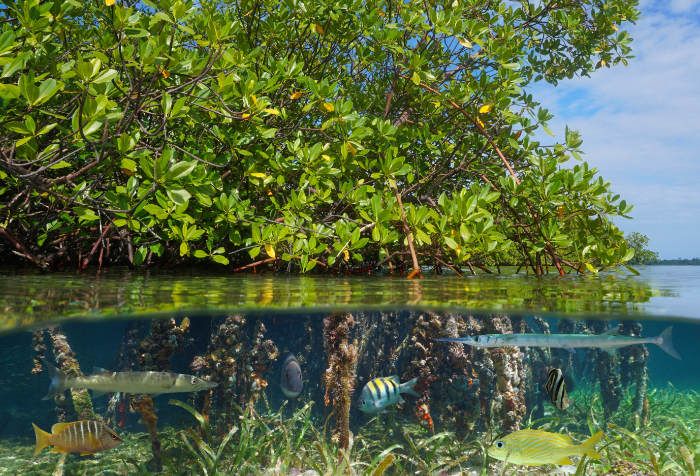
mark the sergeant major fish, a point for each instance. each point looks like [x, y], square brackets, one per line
[607, 341]
[104, 381]
[537, 447]
[290, 378]
[382, 392]
[556, 389]
[83, 436]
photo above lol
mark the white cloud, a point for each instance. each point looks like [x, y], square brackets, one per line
[641, 125]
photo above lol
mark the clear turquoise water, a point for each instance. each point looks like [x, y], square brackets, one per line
[98, 314]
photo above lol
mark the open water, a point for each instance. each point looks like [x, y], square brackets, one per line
[343, 332]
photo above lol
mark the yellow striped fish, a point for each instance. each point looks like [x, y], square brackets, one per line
[381, 392]
[537, 447]
[83, 436]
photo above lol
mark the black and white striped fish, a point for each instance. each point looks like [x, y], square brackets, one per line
[381, 392]
[556, 388]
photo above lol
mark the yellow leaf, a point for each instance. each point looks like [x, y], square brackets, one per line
[109, 3]
[464, 42]
[415, 78]
[245, 115]
[346, 254]
[485, 109]
[272, 111]
[270, 250]
[254, 98]
[318, 28]
[328, 106]
[351, 148]
[480, 122]
[326, 157]
[258, 175]
[591, 268]
[295, 95]
[614, 27]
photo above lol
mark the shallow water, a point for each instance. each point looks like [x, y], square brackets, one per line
[647, 404]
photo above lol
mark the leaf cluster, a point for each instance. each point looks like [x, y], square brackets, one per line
[341, 135]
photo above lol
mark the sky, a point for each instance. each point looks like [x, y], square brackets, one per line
[641, 125]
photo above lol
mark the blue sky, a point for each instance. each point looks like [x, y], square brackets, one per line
[641, 125]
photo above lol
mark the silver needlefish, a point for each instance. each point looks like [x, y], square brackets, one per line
[556, 389]
[381, 392]
[290, 379]
[104, 381]
[608, 341]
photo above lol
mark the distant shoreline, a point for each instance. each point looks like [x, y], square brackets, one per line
[682, 262]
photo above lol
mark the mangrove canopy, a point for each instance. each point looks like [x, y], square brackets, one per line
[302, 135]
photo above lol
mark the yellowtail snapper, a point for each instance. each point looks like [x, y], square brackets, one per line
[104, 381]
[382, 392]
[556, 389]
[290, 379]
[608, 341]
[538, 447]
[83, 436]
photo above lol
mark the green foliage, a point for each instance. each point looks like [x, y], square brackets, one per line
[638, 242]
[200, 442]
[303, 134]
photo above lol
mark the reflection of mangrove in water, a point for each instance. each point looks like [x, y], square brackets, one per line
[463, 389]
[28, 300]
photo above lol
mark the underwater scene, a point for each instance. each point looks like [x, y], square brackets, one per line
[122, 374]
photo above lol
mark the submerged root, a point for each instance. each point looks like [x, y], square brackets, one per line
[68, 364]
[608, 375]
[633, 370]
[339, 377]
[155, 351]
[237, 363]
[509, 399]
[143, 404]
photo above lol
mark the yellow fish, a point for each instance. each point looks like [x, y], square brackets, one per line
[83, 436]
[537, 447]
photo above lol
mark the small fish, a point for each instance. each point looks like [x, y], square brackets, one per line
[537, 447]
[290, 380]
[84, 436]
[608, 341]
[381, 392]
[104, 381]
[556, 388]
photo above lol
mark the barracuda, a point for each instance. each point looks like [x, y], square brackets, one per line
[609, 341]
[104, 381]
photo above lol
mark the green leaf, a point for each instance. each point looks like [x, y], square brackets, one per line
[62, 164]
[184, 248]
[221, 259]
[23, 141]
[180, 170]
[128, 164]
[106, 76]
[179, 196]
[47, 89]
[200, 254]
